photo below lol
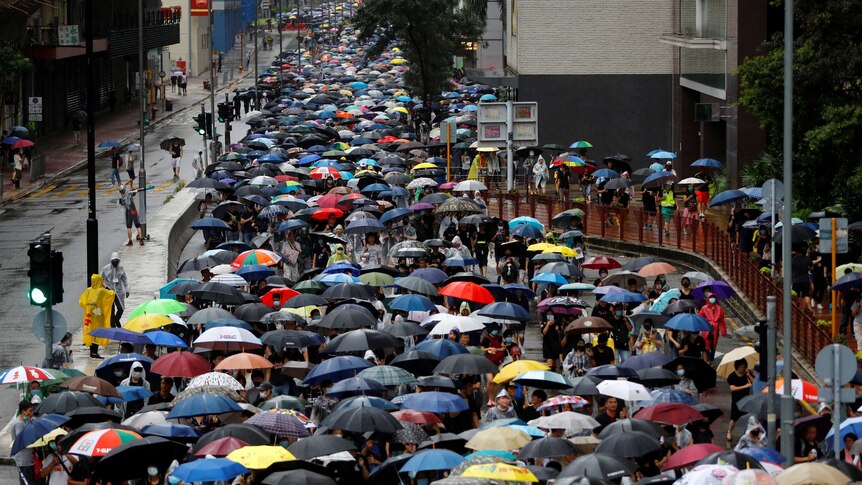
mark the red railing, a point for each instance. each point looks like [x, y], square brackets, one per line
[703, 238]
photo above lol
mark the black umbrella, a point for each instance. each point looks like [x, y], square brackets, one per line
[465, 276]
[546, 447]
[633, 424]
[657, 377]
[681, 306]
[252, 312]
[710, 411]
[656, 480]
[92, 414]
[248, 190]
[348, 316]
[641, 174]
[619, 163]
[417, 285]
[611, 372]
[599, 465]
[434, 382]
[416, 362]
[219, 293]
[584, 386]
[637, 263]
[633, 444]
[362, 420]
[701, 373]
[294, 339]
[465, 364]
[344, 291]
[576, 480]
[246, 432]
[131, 460]
[388, 471]
[201, 317]
[733, 458]
[210, 260]
[220, 210]
[447, 441]
[167, 143]
[298, 477]
[756, 404]
[303, 300]
[66, 402]
[616, 184]
[798, 234]
[565, 269]
[319, 445]
[361, 340]
[208, 183]
[406, 329]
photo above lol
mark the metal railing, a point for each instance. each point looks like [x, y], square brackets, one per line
[37, 167]
[684, 234]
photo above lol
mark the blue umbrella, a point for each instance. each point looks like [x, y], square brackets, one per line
[166, 339]
[606, 173]
[763, 453]
[203, 404]
[335, 369]
[506, 311]
[658, 178]
[403, 99]
[436, 459]
[209, 470]
[727, 197]
[308, 159]
[412, 303]
[338, 278]
[530, 430]
[440, 348]
[355, 385]
[109, 144]
[134, 393]
[647, 360]
[707, 162]
[623, 297]
[325, 162]
[513, 287]
[255, 272]
[502, 454]
[526, 220]
[120, 335]
[170, 430]
[526, 231]
[11, 140]
[163, 291]
[292, 225]
[342, 267]
[498, 292]
[753, 192]
[669, 396]
[688, 322]
[460, 262]
[395, 215]
[363, 226]
[105, 369]
[550, 278]
[435, 402]
[663, 154]
[366, 402]
[210, 223]
[849, 425]
[228, 322]
[432, 275]
[847, 281]
[36, 429]
[488, 97]
[272, 157]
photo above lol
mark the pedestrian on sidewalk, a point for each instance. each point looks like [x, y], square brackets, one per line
[216, 149]
[198, 165]
[668, 207]
[24, 458]
[76, 130]
[184, 83]
[61, 355]
[116, 165]
[540, 173]
[114, 277]
[689, 211]
[131, 158]
[714, 314]
[97, 303]
[18, 162]
[176, 152]
[174, 79]
[128, 202]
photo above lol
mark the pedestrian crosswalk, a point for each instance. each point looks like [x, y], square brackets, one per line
[78, 190]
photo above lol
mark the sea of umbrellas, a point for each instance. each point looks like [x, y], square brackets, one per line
[333, 142]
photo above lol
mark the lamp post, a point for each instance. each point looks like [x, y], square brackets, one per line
[142, 84]
[92, 221]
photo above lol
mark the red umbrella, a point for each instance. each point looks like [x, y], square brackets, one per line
[465, 290]
[329, 201]
[283, 294]
[416, 417]
[221, 447]
[22, 144]
[670, 413]
[180, 364]
[690, 455]
[324, 213]
[600, 262]
[325, 172]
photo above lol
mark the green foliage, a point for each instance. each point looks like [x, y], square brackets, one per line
[429, 33]
[827, 104]
[12, 62]
[765, 167]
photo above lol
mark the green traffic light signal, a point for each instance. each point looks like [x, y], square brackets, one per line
[37, 296]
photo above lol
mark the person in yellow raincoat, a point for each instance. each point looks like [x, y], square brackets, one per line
[476, 167]
[97, 302]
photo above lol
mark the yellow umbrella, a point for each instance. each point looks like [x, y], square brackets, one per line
[400, 109]
[811, 473]
[398, 61]
[563, 250]
[487, 149]
[147, 321]
[260, 457]
[513, 370]
[501, 472]
[540, 247]
[854, 267]
[424, 165]
[499, 438]
[726, 366]
[51, 436]
[301, 311]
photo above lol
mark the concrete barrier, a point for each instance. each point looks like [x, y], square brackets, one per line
[180, 233]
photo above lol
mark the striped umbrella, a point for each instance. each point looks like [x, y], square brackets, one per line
[230, 279]
[102, 441]
[256, 256]
[279, 423]
[388, 375]
[22, 374]
[573, 401]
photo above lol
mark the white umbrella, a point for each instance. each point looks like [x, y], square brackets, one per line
[488, 320]
[625, 390]
[216, 379]
[697, 275]
[691, 180]
[222, 269]
[728, 361]
[227, 338]
[143, 419]
[230, 279]
[421, 182]
[263, 181]
[462, 324]
[573, 423]
[469, 186]
[252, 114]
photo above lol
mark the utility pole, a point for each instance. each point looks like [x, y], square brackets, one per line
[212, 73]
[227, 121]
[92, 221]
[142, 84]
[298, 39]
[278, 18]
[787, 434]
[771, 367]
[256, 93]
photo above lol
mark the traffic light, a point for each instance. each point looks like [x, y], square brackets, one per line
[763, 350]
[56, 277]
[225, 112]
[200, 124]
[40, 272]
[209, 125]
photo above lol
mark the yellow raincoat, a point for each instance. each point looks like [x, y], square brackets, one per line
[97, 303]
[478, 164]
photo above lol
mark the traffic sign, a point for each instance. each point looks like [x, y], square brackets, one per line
[826, 368]
[843, 241]
[59, 322]
[773, 186]
[448, 130]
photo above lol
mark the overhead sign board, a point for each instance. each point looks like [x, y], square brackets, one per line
[492, 122]
[68, 35]
[842, 243]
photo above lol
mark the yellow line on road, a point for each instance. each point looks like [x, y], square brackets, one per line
[65, 191]
[111, 190]
[42, 192]
[84, 193]
[163, 186]
[99, 186]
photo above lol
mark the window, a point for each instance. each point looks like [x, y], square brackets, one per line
[703, 18]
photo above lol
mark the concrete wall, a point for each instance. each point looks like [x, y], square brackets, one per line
[193, 48]
[183, 207]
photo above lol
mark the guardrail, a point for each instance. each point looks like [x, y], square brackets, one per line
[37, 167]
[701, 237]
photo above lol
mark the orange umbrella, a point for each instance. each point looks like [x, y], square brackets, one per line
[244, 360]
[282, 294]
[655, 269]
[465, 290]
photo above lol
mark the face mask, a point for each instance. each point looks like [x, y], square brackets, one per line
[509, 341]
[618, 313]
[549, 317]
[52, 445]
[686, 284]
[152, 471]
[712, 300]
[136, 373]
[36, 392]
[581, 349]
[118, 373]
[680, 372]
[647, 327]
[495, 333]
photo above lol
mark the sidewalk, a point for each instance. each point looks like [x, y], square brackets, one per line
[121, 124]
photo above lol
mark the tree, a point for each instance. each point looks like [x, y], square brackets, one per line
[428, 32]
[13, 65]
[827, 101]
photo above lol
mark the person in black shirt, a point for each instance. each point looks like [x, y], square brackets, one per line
[563, 177]
[164, 394]
[693, 345]
[552, 345]
[601, 353]
[602, 310]
[612, 412]
[648, 199]
[807, 447]
[740, 382]
[685, 291]
[622, 328]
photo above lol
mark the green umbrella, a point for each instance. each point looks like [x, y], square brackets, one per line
[310, 286]
[581, 144]
[377, 279]
[388, 375]
[161, 306]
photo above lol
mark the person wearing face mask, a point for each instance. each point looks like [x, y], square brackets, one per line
[61, 355]
[552, 338]
[24, 458]
[714, 314]
[603, 273]
[137, 377]
[34, 393]
[685, 291]
[57, 465]
[649, 340]
[622, 327]
[154, 477]
[577, 362]
[114, 278]
[686, 384]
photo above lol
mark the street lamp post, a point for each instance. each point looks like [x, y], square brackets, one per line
[142, 169]
[92, 221]
[213, 62]
[256, 93]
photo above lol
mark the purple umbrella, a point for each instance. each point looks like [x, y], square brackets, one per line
[421, 206]
[432, 275]
[720, 289]
[280, 423]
